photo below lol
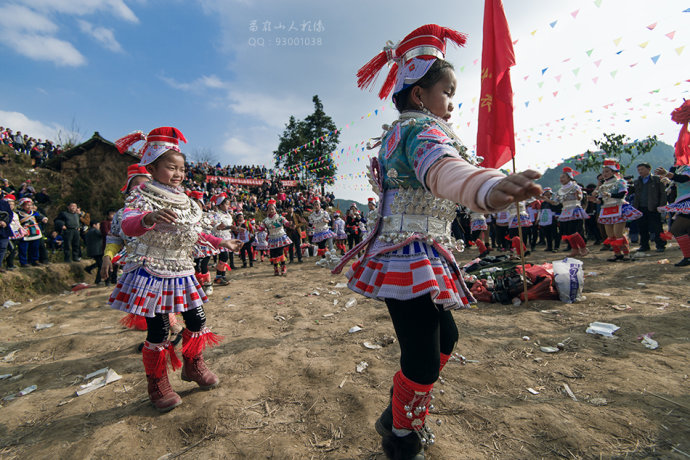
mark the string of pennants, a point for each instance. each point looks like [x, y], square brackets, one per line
[355, 150]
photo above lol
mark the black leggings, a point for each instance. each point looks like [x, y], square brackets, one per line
[569, 227]
[681, 225]
[275, 252]
[201, 265]
[424, 331]
[159, 326]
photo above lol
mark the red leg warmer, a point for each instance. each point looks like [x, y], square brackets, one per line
[576, 241]
[156, 357]
[481, 246]
[410, 402]
[444, 360]
[132, 321]
[684, 243]
[193, 343]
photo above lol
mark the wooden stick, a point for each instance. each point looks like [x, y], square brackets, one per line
[669, 400]
[522, 252]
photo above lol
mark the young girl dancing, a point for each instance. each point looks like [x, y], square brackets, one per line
[340, 235]
[277, 238]
[158, 277]
[320, 220]
[615, 211]
[680, 174]
[421, 171]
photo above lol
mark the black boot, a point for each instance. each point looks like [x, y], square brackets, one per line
[408, 447]
[683, 263]
[384, 424]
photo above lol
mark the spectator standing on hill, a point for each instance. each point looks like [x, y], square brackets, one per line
[650, 193]
[29, 245]
[6, 216]
[94, 249]
[69, 220]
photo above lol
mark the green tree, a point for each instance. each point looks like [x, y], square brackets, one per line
[320, 131]
[617, 146]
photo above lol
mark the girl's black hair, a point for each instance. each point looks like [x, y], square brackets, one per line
[430, 78]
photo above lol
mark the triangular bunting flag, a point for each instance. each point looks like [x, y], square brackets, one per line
[595, 80]
[687, 10]
[651, 26]
[460, 105]
[575, 71]
[540, 84]
[558, 78]
[617, 40]
[628, 99]
[555, 93]
[656, 58]
[619, 52]
[589, 52]
[475, 61]
[633, 65]
[671, 34]
[680, 49]
[553, 24]
[574, 13]
[462, 69]
[540, 98]
[643, 44]
[613, 74]
[526, 77]
[577, 86]
[543, 71]
[596, 63]
[533, 32]
[597, 3]
[527, 104]
[565, 60]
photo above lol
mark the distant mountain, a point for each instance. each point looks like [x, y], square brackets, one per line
[344, 205]
[660, 155]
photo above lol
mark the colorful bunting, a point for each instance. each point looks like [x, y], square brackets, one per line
[613, 74]
[553, 24]
[670, 35]
[651, 26]
[596, 63]
[543, 71]
[680, 49]
[575, 71]
[656, 58]
[597, 3]
[589, 52]
[643, 44]
[574, 13]
[617, 41]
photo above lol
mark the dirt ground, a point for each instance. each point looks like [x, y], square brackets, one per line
[290, 390]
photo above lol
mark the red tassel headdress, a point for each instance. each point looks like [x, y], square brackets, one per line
[158, 141]
[570, 172]
[132, 172]
[426, 43]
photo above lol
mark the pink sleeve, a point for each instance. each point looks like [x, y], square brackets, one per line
[214, 240]
[455, 179]
[133, 224]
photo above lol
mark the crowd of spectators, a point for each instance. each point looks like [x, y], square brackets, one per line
[40, 150]
[238, 171]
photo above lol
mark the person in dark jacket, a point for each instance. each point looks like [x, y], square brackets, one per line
[94, 248]
[6, 215]
[69, 221]
[650, 193]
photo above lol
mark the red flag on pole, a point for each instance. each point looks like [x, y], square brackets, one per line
[496, 134]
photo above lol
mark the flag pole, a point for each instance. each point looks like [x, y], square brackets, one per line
[522, 251]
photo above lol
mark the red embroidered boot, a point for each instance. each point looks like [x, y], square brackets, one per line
[578, 244]
[155, 357]
[194, 368]
[283, 268]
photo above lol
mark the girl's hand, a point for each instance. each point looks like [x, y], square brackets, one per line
[106, 267]
[660, 171]
[233, 245]
[516, 187]
[167, 216]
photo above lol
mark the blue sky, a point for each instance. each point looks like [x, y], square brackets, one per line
[115, 66]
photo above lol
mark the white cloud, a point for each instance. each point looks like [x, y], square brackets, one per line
[200, 84]
[17, 121]
[85, 7]
[102, 35]
[272, 111]
[20, 18]
[43, 48]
